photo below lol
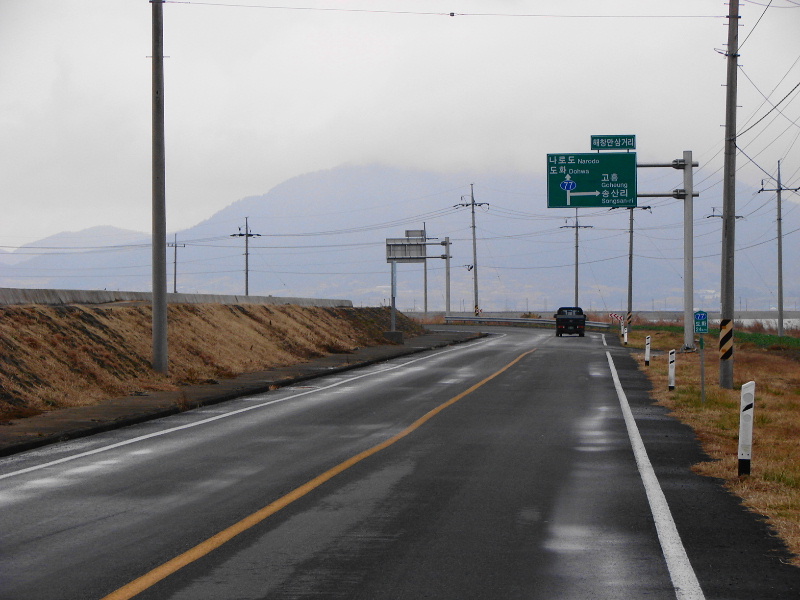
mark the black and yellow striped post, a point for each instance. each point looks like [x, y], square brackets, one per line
[628, 320]
[726, 339]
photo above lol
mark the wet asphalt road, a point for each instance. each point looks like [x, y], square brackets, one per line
[524, 485]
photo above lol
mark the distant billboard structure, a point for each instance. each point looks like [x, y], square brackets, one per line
[410, 249]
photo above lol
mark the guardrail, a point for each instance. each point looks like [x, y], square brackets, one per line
[552, 322]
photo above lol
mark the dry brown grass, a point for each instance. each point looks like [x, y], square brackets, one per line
[773, 488]
[56, 357]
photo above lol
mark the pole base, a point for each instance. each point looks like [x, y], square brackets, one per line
[394, 337]
[744, 466]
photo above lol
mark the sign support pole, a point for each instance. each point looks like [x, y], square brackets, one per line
[687, 194]
[446, 245]
[394, 295]
[702, 370]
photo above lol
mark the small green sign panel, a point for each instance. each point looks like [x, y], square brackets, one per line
[603, 180]
[701, 322]
[613, 142]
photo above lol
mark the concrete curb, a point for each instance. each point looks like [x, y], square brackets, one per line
[20, 435]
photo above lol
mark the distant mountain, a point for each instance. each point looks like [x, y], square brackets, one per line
[75, 241]
[323, 234]
[102, 235]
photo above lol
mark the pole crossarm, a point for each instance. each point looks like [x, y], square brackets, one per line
[679, 194]
[678, 163]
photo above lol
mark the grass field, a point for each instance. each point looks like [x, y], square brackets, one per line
[55, 357]
[773, 363]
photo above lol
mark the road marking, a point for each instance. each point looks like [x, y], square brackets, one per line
[239, 411]
[148, 580]
[684, 580]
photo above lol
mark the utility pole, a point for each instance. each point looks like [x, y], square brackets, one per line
[576, 227]
[780, 245]
[473, 204]
[175, 245]
[629, 315]
[688, 250]
[160, 360]
[246, 235]
[729, 204]
[425, 273]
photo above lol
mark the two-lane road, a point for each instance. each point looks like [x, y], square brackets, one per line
[503, 468]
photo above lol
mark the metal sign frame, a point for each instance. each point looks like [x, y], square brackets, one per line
[406, 250]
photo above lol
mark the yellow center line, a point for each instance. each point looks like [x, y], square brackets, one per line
[148, 580]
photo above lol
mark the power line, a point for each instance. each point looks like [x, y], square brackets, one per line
[438, 13]
[774, 107]
[756, 25]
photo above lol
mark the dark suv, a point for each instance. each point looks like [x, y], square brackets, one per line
[570, 319]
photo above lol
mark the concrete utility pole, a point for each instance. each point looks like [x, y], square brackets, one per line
[246, 235]
[729, 205]
[780, 245]
[160, 361]
[688, 251]
[576, 227]
[629, 312]
[629, 315]
[473, 204]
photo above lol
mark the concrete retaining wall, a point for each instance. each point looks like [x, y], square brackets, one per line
[56, 297]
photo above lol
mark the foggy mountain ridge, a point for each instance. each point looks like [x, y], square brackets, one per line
[322, 234]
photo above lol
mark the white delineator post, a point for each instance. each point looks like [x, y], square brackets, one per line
[647, 351]
[748, 400]
[671, 370]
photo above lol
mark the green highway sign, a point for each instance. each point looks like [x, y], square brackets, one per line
[614, 142]
[591, 180]
[701, 322]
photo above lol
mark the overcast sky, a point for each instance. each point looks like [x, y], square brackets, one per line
[257, 94]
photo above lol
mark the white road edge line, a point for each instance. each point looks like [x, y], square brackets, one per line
[242, 410]
[684, 579]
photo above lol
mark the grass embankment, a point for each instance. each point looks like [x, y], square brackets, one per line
[57, 357]
[773, 488]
